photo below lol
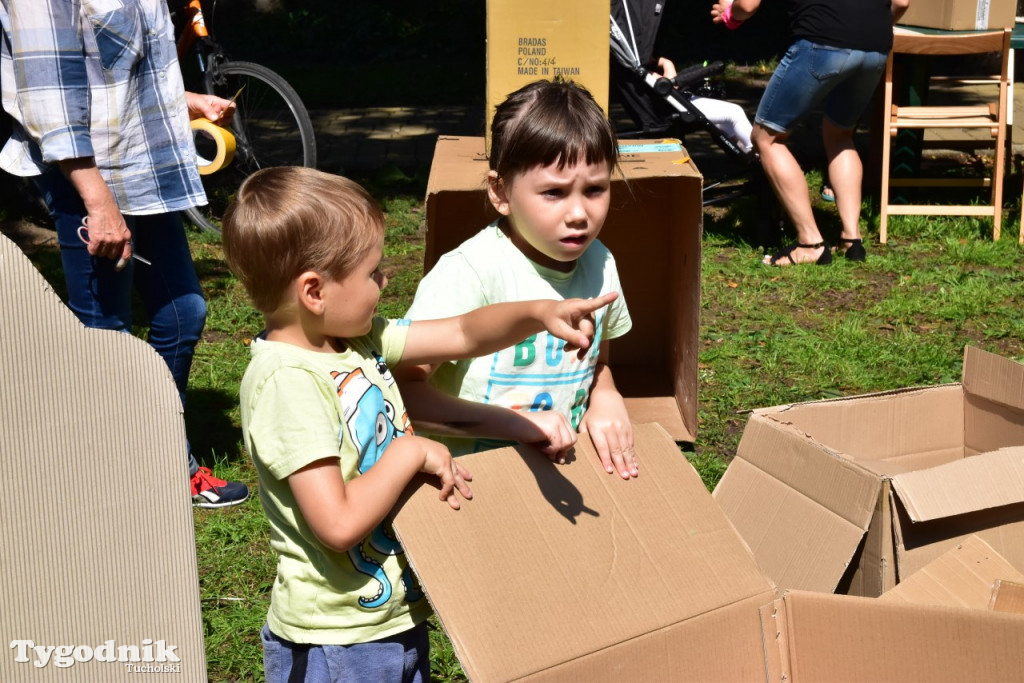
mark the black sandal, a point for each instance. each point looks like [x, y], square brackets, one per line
[823, 260]
[856, 251]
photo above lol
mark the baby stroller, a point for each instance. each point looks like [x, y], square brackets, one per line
[663, 107]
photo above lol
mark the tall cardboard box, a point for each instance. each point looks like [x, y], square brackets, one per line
[96, 541]
[852, 495]
[961, 15]
[529, 40]
[565, 573]
[653, 230]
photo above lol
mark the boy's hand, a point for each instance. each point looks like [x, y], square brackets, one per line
[559, 436]
[573, 321]
[438, 461]
[607, 422]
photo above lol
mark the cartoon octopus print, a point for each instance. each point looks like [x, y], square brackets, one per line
[371, 423]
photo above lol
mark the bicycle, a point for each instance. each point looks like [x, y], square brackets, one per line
[271, 124]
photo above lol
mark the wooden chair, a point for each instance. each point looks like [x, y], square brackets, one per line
[991, 116]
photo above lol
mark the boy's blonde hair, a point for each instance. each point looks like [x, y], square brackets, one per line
[288, 220]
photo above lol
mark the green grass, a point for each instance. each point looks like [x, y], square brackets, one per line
[767, 336]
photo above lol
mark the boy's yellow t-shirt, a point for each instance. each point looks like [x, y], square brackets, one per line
[301, 406]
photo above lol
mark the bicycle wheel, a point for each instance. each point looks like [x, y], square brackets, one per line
[271, 128]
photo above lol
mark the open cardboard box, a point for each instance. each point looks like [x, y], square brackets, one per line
[961, 15]
[813, 637]
[96, 535]
[528, 40]
[854, 494]
[563, 572]
[555, 573]
[653, 230]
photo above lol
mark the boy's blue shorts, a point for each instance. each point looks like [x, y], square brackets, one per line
[810, 73]
[404, 657]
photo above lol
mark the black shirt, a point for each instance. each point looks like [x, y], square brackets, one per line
[855, 24]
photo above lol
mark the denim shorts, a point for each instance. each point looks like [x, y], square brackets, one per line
[810, 74]
[404, 657]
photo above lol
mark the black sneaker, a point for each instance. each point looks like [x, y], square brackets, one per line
[210, 492]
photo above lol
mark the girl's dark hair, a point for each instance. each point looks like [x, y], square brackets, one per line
[549, 122]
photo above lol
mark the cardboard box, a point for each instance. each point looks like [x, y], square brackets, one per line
[528, 40]
[564, 573]
[96, 535]
[813, 637]
[1007, 596]
[855, 494]
[961, 15]
[964, 576]
[655, 364]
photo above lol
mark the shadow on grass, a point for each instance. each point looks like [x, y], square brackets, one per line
[212, 431]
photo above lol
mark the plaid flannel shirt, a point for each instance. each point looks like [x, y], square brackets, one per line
[99, 78]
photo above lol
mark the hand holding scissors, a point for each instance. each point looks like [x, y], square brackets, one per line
[211, 107]
[83, 234]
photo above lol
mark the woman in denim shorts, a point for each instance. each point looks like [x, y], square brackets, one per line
[836, 59]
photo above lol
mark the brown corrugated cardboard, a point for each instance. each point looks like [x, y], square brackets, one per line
[814, 637]
[532, 39]
[654, 231]
[566, 573]
[961, 15]
[854, 494]
[96, 534]
[963, 576]
[1007, 596]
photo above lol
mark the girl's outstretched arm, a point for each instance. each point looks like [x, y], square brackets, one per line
[498, 326]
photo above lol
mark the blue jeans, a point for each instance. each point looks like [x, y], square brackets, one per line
[810, 73]
[101, 296]
[402, 658]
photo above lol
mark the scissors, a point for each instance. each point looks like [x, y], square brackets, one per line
[83, 234]
[233, 98]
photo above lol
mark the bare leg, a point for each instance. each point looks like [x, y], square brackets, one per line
[787, 179]
[845, 172]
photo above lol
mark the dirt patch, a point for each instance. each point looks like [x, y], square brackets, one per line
[29, 236]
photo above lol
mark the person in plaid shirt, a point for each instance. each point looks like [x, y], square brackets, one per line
[100, 122]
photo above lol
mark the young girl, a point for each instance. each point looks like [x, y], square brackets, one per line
[552, 156]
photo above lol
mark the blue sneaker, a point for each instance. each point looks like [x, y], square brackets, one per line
[210, 492]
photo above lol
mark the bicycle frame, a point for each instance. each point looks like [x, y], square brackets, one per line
[270, 125]
[194, 28]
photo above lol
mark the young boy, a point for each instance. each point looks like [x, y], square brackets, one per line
[326, 427]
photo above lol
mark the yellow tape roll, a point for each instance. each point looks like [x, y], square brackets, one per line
[206, 132]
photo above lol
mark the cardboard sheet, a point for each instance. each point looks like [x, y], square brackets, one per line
[96, 519]
[814, 637]
[566, 573]
[996, 480]
[964, 576]
[1008, 596]
[529, 40]
[802, 509]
